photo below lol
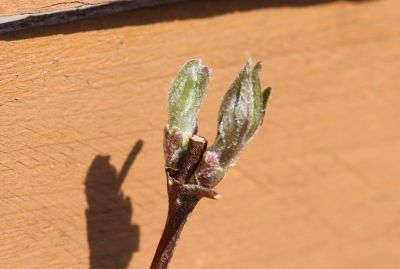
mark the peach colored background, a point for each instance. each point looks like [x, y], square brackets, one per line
[318, 188]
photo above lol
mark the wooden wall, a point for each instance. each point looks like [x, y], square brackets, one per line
[318, 188]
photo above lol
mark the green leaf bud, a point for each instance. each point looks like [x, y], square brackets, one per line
[185, 98]
[240, 116]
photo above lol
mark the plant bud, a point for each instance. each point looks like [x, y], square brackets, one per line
[240, 116]
[184, 101]
[209, 172]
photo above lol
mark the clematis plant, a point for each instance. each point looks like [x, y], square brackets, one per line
[192, 169]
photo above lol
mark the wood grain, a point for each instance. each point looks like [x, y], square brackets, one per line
[11, 7]
[318, 188]
[82, 11]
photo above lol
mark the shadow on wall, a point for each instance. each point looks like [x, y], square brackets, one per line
[189, 9]
[111, 235]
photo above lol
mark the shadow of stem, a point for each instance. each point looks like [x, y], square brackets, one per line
[111, 236]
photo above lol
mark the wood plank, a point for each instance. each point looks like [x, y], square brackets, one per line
[318, 187]
[78, 11]
[10, 7]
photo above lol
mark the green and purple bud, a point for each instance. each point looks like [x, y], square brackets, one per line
[185, 98]
[240, 116]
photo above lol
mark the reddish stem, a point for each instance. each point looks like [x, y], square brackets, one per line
[182, 198]
[181, 204]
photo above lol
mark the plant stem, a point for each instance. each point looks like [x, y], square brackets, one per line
[183, 196]
[181, 204]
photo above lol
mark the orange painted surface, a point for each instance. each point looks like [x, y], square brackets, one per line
[317, 188]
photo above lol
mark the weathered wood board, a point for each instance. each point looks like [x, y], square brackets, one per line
[318, 188]
[12, 7]
[65, 12]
